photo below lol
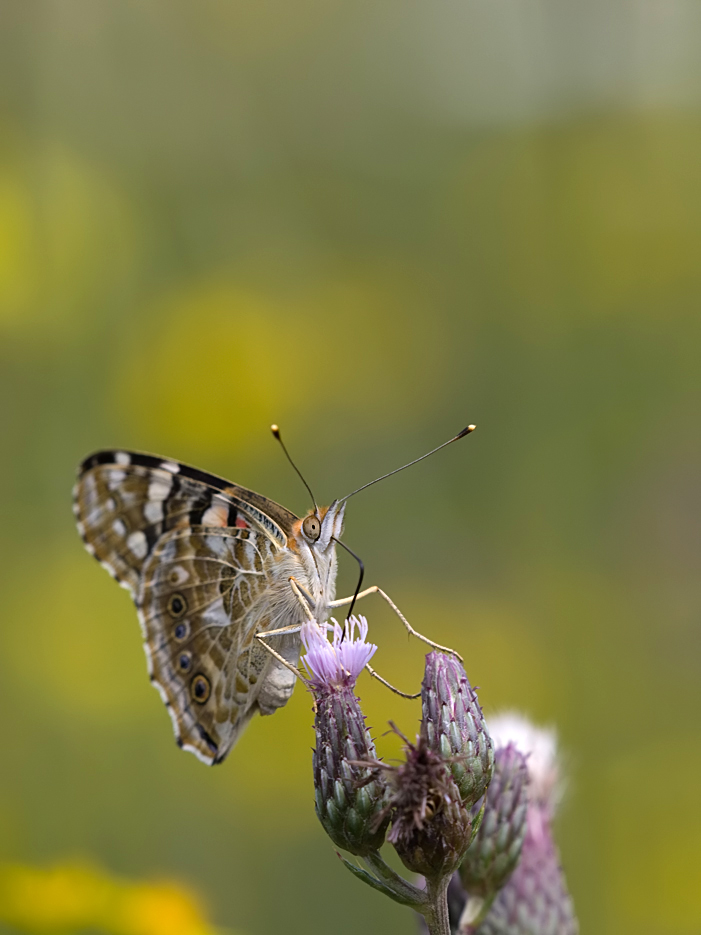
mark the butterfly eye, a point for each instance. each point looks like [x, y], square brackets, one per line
[312, 527]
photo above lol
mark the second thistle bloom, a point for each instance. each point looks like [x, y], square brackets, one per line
[350, 798]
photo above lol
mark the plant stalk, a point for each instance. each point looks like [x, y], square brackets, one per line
[436, 911]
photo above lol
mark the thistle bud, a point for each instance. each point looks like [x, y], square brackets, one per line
[496, 848]
[454, 726]
[445, 773]
[350, 797]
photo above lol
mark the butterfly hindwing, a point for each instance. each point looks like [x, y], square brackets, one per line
[202, 601]
[193, 550]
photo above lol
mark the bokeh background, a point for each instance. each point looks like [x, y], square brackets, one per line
[372, 223]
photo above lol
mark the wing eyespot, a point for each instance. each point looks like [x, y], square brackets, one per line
[181, 631]
[177, 605]
[200, 689]
[185, 662]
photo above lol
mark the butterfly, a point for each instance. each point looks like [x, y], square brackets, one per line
[208, 564]
[211, 566]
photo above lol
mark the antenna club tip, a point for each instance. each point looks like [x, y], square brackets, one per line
[275, 430]
[466, 431]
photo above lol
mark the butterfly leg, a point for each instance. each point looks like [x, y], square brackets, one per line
[412, 632]
[389, 685]
[276, 655]
[304, 599]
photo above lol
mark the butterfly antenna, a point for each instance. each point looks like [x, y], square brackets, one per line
[276, 434]
[465, 431]
[360, 576]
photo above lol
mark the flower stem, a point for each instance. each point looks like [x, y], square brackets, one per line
[436, 911]
[395, 885]
[474, 914]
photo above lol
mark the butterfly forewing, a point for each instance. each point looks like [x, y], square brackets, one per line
[196, 553]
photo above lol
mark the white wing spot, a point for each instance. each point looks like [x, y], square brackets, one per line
[110, 505]
[115, 478]
[216, 515]
[121, 457]
[178, 574]
[138, 544]
[109, 569]
[119, 527]
[153, 511]
[89, 548]
[159, 489]
[170, 466]
[81, 528]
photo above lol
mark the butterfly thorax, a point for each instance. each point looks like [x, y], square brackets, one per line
[313, 562]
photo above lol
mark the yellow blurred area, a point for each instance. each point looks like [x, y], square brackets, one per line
[66, 233]
[666, 891]
[220, 361]
[595, 216]
[88, 659]
[75, 897]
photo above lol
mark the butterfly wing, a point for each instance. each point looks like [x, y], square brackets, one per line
[196, 552]
[203, 598]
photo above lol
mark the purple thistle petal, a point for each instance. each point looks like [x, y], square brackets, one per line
[339, 662]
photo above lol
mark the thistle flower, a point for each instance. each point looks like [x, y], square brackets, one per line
[338, 664]
[535, 900]
[350, 797]
[539, 745]
[454, 726]
[495, 851]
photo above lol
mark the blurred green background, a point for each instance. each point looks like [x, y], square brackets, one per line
[372, 223]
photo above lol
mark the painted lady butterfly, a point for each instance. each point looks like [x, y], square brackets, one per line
[211, 566]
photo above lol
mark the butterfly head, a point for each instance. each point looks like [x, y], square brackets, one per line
[320, 526]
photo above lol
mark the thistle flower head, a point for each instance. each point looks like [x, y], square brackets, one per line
[337, 663]
[431, 828]
[421, 786]
[535, 898]
[350, 797]
[539, 746]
